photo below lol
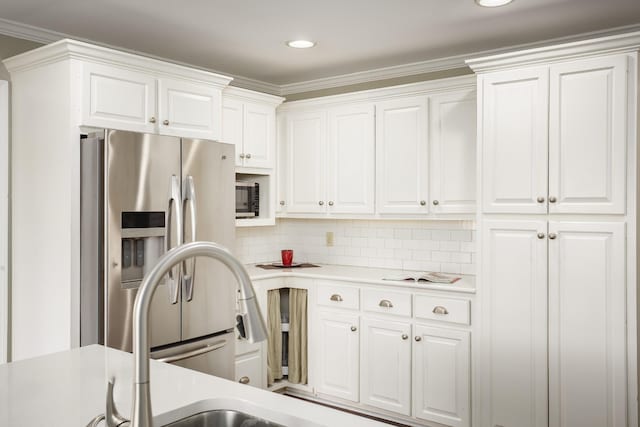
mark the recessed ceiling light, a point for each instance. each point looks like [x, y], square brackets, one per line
[492, 3]
[301, 44]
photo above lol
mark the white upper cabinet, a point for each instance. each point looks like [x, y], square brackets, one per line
[402, 164]
[514, 149]
[119, 99]
[350, 160]
[587, 136]
[116, 97]
[306, 151]
[249, 122]
[189, 109]
[452, 140]
[587, 325]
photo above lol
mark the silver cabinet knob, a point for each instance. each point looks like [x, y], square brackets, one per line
[418, 338]
[405, 336]
[385, 303]
[165, 122]
[353, 329]
[152, 120]
[422, 202]
[436, 203]
[540, 199]
[330, 202]
[244, 380]
[540, 235]
[242, 155]
[552, 236]
[321, 203]
[336, 297]
[281, 202]
[114, 264]
[552, 199]
[248, 156]
[440, 310]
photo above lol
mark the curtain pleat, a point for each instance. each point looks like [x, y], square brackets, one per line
[298, 336]
[274, 344]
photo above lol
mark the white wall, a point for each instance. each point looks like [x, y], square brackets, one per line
[446, 246]
[4, 223]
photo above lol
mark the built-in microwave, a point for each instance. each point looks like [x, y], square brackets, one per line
[247, 199]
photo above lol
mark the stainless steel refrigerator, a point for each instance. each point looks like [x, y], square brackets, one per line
[141, 196]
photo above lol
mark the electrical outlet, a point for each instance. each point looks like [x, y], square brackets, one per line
[329, 238]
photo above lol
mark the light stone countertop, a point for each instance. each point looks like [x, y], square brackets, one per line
[69, 388]
[363, 275]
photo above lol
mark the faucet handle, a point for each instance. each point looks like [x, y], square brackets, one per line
[113, 417]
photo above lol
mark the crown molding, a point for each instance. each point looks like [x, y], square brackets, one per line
[29, 32]
[251, 95]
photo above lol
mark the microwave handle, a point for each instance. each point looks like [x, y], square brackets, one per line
[174, 205]
[189, 265]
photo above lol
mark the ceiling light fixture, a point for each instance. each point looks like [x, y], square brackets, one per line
[301, 44]
[492, 3]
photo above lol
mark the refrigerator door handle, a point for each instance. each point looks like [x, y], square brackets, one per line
[189, 266]
[192, 353]
[174, 204]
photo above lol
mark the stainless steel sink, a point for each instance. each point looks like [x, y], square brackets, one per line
[222, 418]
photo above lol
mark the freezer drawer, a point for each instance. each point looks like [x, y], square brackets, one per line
[213, 355]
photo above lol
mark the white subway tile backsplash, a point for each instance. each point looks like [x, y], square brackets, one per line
[447, 246]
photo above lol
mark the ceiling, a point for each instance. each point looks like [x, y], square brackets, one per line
[247, 37]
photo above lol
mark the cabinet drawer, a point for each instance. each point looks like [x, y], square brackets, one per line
[443, 309]
[385, 301]
[249, 369]
[338, 296]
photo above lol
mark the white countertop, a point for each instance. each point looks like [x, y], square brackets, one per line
[69, 388]
[366, 275]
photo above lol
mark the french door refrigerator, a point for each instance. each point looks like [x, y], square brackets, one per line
[141, 196]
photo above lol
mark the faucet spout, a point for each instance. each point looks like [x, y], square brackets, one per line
[254, 326]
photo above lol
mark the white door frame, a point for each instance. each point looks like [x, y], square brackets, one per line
[4, 220]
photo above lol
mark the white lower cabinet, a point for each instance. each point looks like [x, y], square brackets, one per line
[249, 369]
[441, 375]
[338, 342]
[385, 380]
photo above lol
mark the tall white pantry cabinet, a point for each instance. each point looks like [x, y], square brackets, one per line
[557, 219]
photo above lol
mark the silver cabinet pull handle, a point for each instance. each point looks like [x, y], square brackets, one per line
[242, 155]
[321, 203]
[552, 199]
[174, 206]
[165, 122]
[540, 235]
[330, 203]
[436, 202]
[405, 336]
[552, 236]
[423, 202]
[197, 352]
[440, 310]
[281, 202]
[189, 266]
[385, 303]
[336, 297]
[244, 380]
[152, 120]
[540, 199]
[418, 338]
[248, 156]
[353, 329]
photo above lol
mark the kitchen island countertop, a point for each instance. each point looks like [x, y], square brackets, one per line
[69, 388]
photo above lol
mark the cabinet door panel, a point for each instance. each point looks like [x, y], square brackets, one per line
[259, 135]
[441, 382]
[453, 152]
[191, 110]
[249, 369]
[338, 357]
[385, 379]
[514, 141]
[118, 99]
[587, 136]
[232, 112]
[306, 163]
[351, 152]
[401, 156]
[587, 351]
[513, 353]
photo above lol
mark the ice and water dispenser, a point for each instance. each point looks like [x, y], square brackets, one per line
[143, 235]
